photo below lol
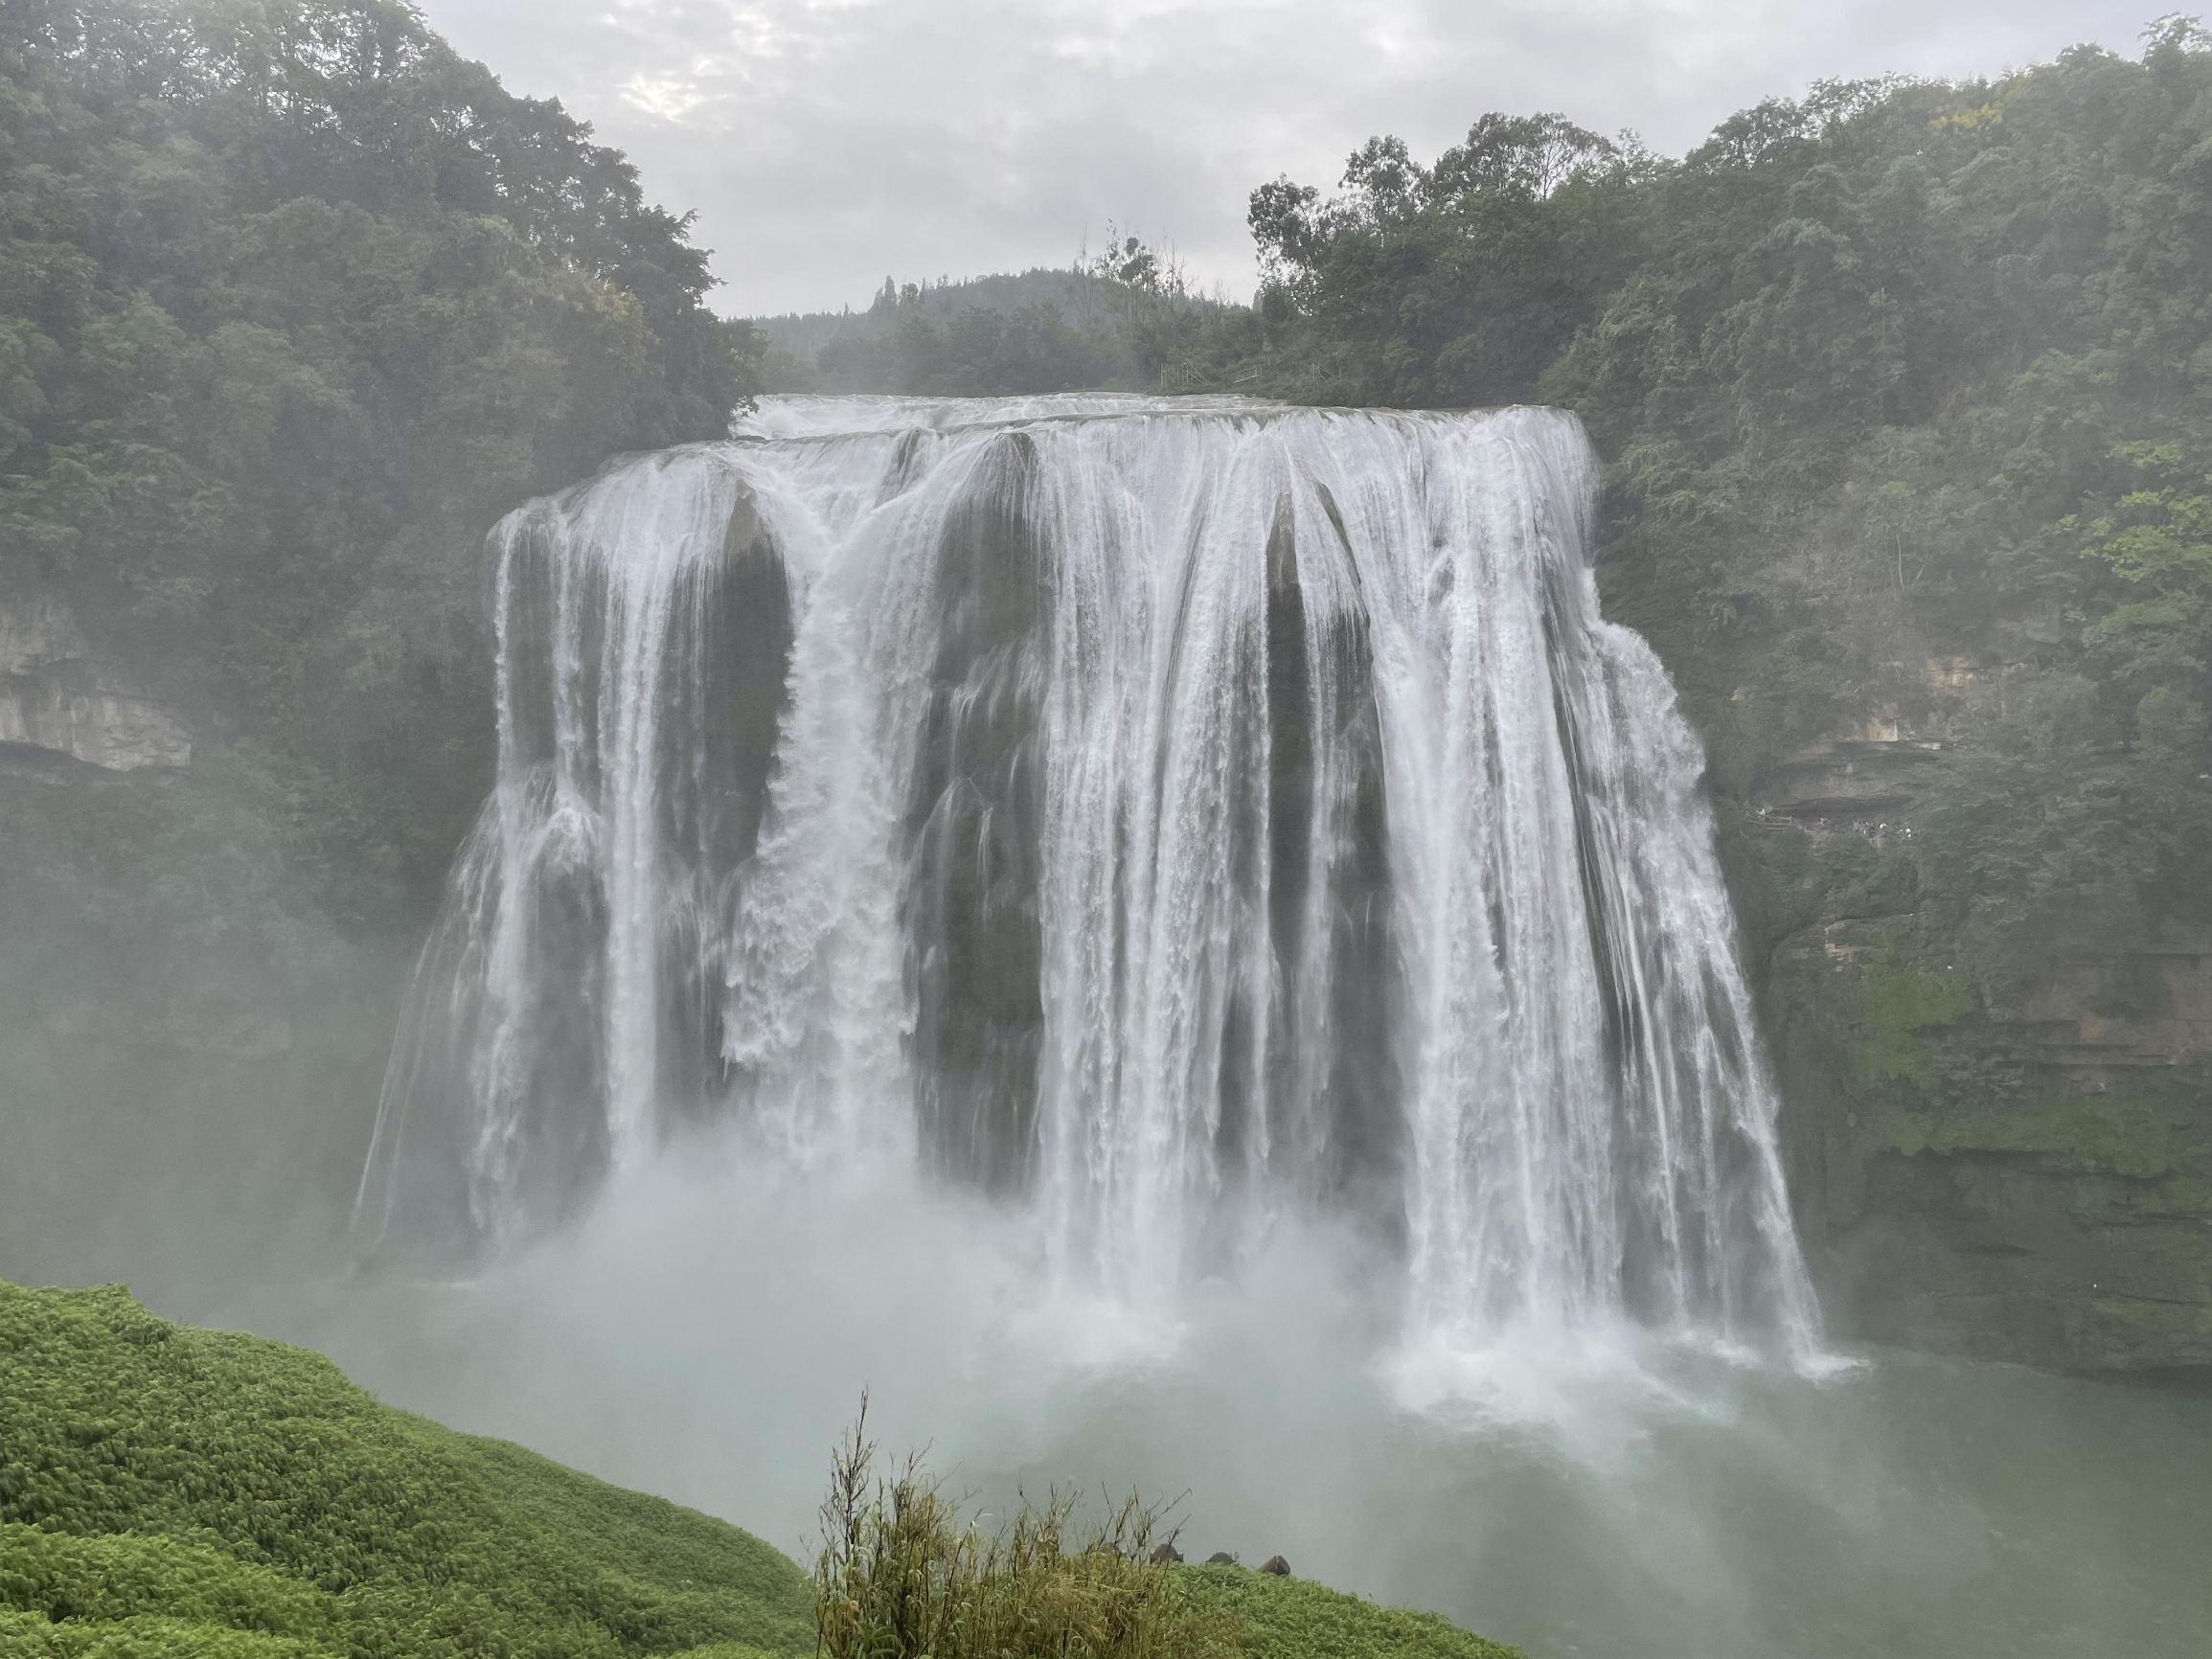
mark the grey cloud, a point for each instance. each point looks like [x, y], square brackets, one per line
[825, 143]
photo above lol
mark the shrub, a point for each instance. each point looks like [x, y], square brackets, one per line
[903, 1574]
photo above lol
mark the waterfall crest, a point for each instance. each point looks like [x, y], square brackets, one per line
[1173, 814]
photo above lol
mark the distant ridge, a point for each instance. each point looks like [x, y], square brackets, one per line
[1075, 293]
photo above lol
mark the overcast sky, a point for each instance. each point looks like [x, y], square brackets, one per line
[829, 143]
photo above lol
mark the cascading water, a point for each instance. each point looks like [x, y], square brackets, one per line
[1177, 815]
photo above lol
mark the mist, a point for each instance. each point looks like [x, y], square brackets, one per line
[709, 1331]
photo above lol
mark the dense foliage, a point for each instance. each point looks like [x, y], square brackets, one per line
[293, 302]
[1906, 389]
[972, 352]
[165, 1490]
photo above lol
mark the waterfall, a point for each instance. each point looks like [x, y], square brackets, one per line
[1177, 816]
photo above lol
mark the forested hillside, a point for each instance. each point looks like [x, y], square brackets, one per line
[293, 304]
[1906, 395]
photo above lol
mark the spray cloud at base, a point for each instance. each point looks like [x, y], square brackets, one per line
[707, 1331]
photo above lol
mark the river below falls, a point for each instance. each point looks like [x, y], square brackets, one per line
[708, 1335]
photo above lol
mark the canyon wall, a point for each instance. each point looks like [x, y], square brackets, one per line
[2019, 1172]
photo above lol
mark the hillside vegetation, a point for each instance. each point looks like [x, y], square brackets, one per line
[904, 1572]
[172, 1494]
[166, 1490]
[293, 302]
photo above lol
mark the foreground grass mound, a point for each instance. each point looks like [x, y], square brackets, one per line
[166, 1492]
[905, 1575]
[1296, 1619]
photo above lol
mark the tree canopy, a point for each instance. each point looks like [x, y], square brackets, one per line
[1901, 374]
[293, 303]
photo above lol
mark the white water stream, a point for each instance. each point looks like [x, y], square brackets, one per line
[1182, 817]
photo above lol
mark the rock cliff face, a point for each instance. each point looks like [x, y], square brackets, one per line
[2025, 1179]
[59, 696]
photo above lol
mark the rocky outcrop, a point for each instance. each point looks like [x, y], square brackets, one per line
[59, 696]
[1865, 775]
[1849, 781]
[2024, 1179]
[2104, 1008]
[2053, 1257]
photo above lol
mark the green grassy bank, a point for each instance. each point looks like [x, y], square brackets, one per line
[171, 1490]
[166, 1491]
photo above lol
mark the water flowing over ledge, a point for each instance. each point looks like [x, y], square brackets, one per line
[1177, 816]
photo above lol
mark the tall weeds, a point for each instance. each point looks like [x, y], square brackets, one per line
[903, 1575]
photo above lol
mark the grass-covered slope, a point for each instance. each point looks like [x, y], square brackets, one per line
[171, 1492]
[1297, 1619]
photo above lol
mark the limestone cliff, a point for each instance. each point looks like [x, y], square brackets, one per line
[2022, 1176]
[59, 696]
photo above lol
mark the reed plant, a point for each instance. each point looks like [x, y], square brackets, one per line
[904, 1574]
